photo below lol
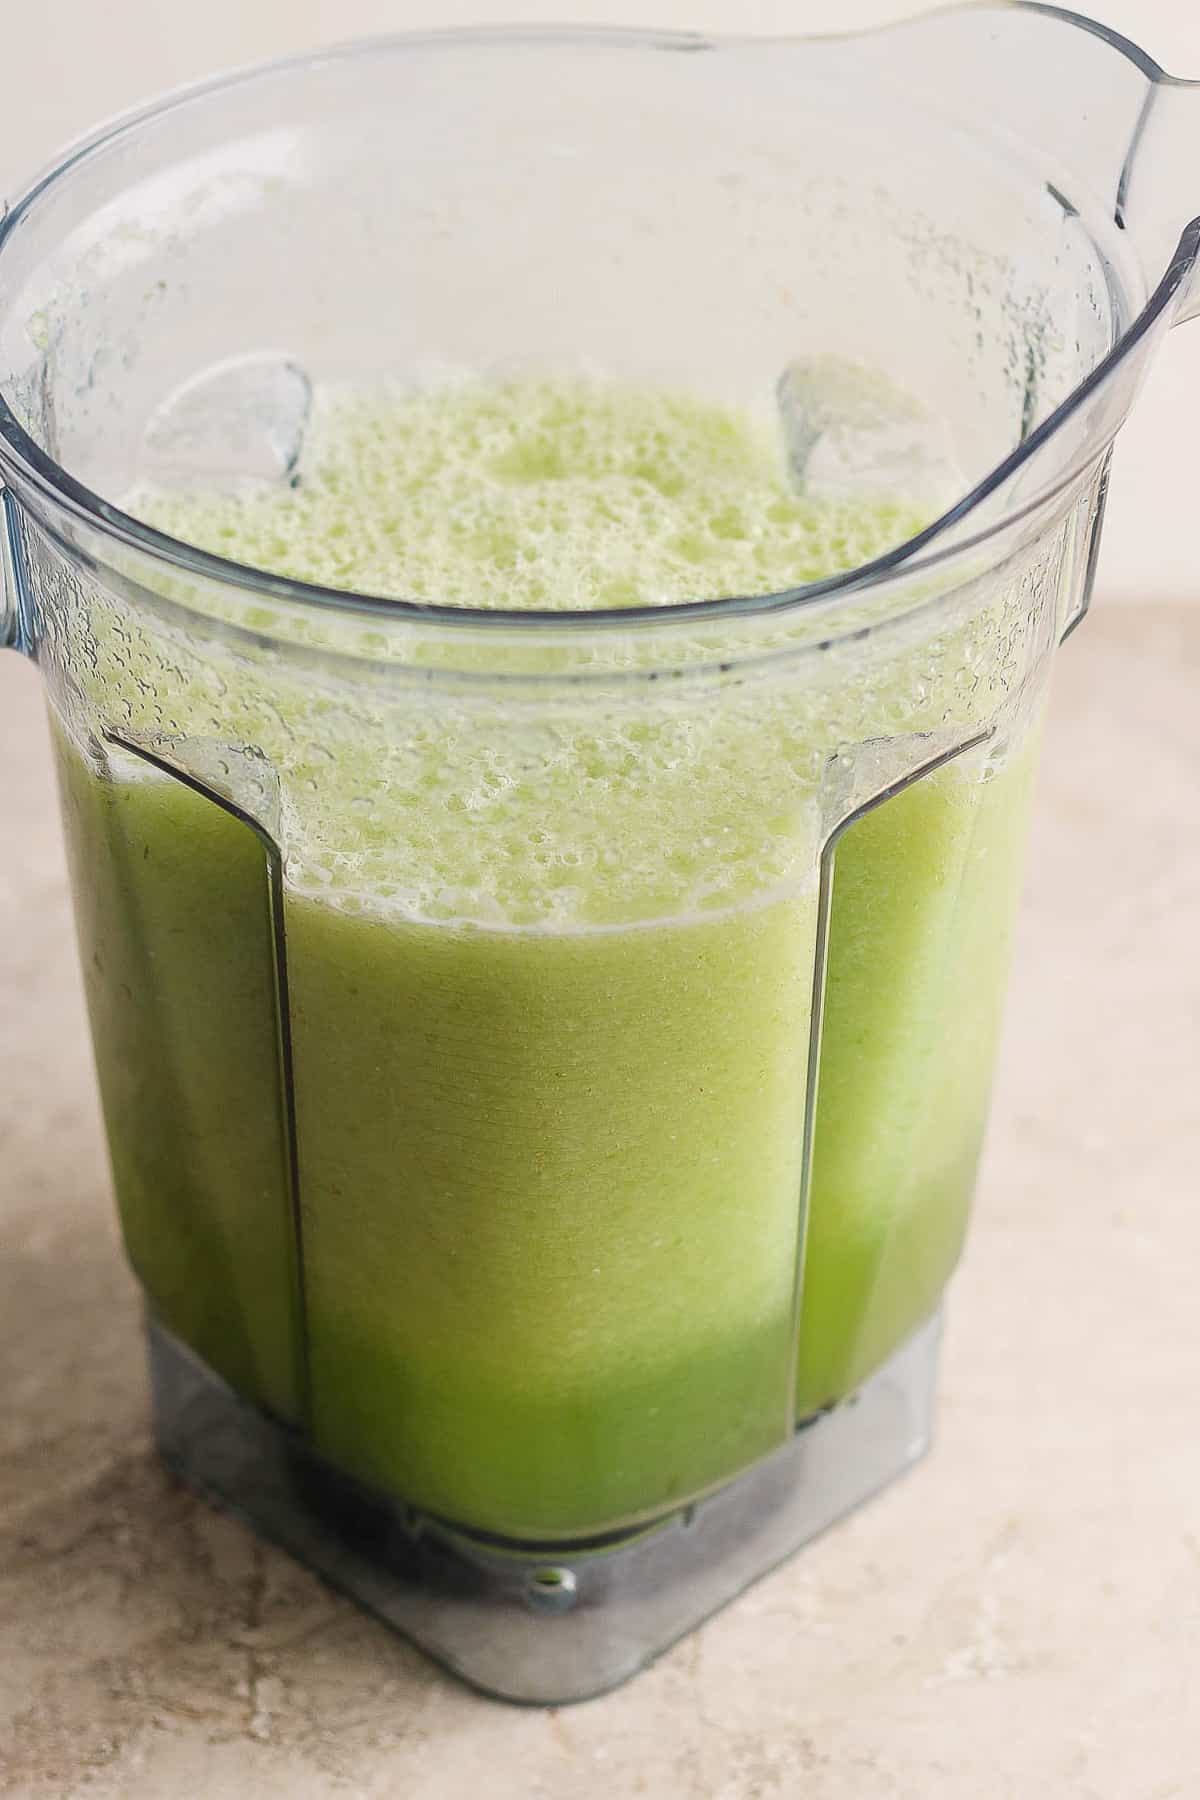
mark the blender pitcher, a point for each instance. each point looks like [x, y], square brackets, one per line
[545, 1055]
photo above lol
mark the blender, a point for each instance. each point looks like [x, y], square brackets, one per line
[545, 1053]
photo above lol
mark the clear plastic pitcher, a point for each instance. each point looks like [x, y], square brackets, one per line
[545, 1055]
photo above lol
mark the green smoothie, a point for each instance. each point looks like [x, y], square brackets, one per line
[537, 984]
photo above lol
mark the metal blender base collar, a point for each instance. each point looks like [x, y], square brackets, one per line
[527, 1623]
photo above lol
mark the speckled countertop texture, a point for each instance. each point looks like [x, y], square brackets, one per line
[1020, 1617]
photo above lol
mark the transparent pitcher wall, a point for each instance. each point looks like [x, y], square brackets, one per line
[539, 1274]
[545, 1058]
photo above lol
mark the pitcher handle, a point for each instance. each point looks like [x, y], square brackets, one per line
[14, 588]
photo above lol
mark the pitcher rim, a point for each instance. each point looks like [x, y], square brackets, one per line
[924, 552]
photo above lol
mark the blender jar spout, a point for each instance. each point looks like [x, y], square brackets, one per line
[1158, 200]
[1114, 138]
[1105, 144]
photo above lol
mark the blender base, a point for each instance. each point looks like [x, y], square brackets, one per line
[540, 1624]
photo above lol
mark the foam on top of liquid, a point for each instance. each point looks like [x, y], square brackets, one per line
[565, 494]
[579, 813]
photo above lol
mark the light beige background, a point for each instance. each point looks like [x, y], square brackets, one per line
[1019, 1620]
[66, 66]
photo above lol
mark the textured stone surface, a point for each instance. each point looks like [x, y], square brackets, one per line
[1019, 1618]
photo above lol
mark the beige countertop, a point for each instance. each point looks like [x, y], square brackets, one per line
[1018, 1618]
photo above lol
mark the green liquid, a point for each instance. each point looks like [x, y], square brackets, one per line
[549, 1001]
